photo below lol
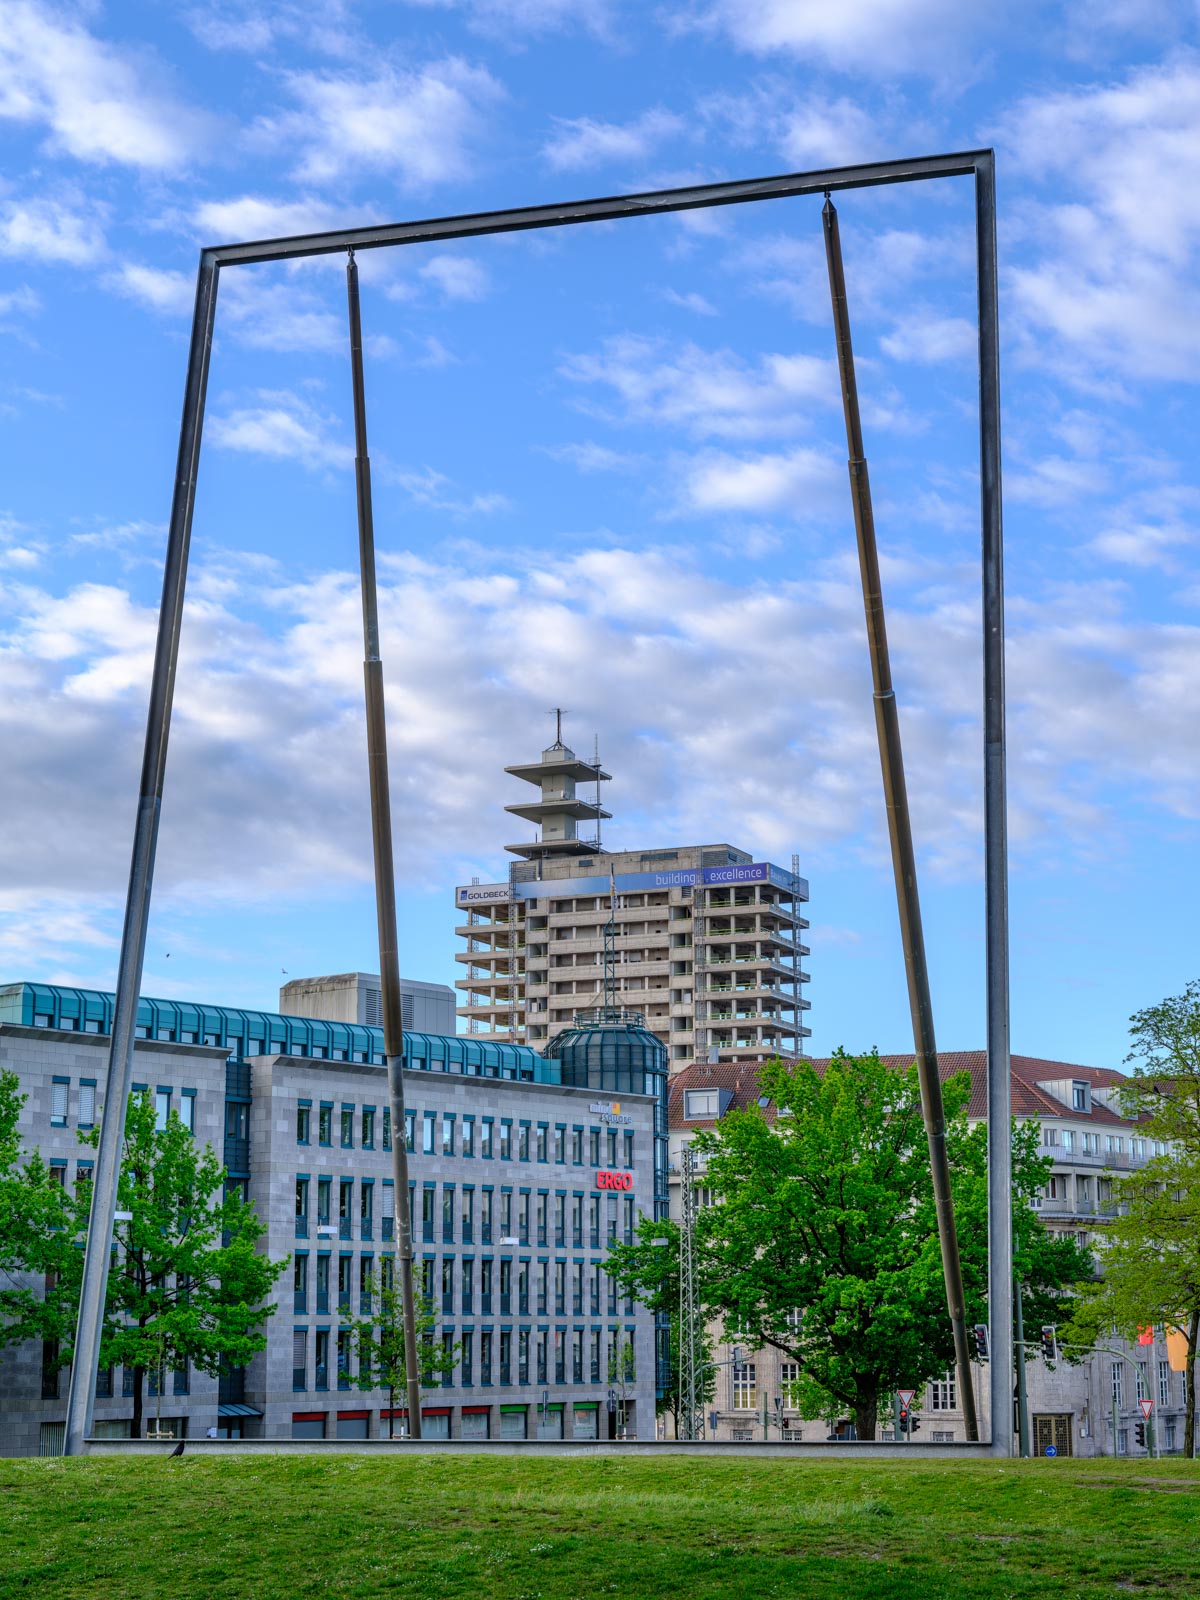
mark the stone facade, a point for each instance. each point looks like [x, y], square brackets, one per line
[546, 1186]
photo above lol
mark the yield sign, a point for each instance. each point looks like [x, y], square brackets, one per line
[1147, 1406]
[906, 1396]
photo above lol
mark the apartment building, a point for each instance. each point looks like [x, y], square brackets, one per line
[523, 1169]
[1091, 1408]
[703, 940]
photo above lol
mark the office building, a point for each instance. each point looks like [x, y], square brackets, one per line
[523, 1167]
[358, 997]
[706, 942]
[1089, 1408]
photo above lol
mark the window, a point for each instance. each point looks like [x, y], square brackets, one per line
[942, 1394]
[577, 1146]
[1143, 1392]
[87, 1103]
[1068, 1139]
[366, 1209]
[789, 1378]
[368, 1128]
[322, 1283]
[410, 1130]
[300, 1283]
[594, 1146]
[447, 1136]
[468, 1216]
[429, 1134]
[303, 1123]
[745, 1388]
[322, 1344]
[448, 1213]
[59, 1090]
[1081, 1097]
[325, 1125]
[1164, 1383]
[485, 1216]
[467, 1278]
[347, 1127]
[299, 1358]
[628, 1148]
[700, 1104]
[427, 1199]
[612, 1147]
[506, 1140]
[560, 1143]
[448, 1285]
[343, 1358]
[1114, 1144]
[346, 1208]
[467, 1356]
[1118, 1384]
[543, 1132]
[324, 1194]
[468, 1136]
[1050, 1136]
[1056, 1188]
[485, 1140]
[485, 1357]
[302, 1208]
[523, 1142]
[1091, 1143]
[388, 1217]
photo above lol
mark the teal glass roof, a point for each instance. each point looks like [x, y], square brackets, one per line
[254, 1033]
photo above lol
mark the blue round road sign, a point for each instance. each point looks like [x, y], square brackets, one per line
[1051, 1450]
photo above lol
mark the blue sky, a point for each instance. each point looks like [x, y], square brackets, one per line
[609, 475]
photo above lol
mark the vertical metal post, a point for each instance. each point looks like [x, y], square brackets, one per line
[385, 878]
[690, 1346]
[1022, 1393]
[81, 1396]
[904, 865]
[995, 805]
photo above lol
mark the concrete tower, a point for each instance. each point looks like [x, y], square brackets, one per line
[561, 808]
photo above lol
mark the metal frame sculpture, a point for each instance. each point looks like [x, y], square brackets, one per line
[976, 164]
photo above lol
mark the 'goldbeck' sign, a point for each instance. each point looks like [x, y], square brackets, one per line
[614, 1180]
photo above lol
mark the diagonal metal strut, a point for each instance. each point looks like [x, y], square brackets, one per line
[891, 759]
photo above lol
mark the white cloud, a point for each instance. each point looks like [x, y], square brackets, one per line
[828, 133]
[1112, 281]
[433, 490]
[250, 216]
[420, 127]
[288, 315]
[99, 102]
[458, 277]
[283, 427]
[584, 142]
[691, 301]
[19, 302]
[512, 18]
[65, 230]
[255, 26]
[707, 392]
[591, 457]
[926, 336]
[867, 36]
[800, 483]
[155, 287]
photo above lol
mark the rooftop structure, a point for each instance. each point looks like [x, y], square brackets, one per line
[706, 942]
[561, 808]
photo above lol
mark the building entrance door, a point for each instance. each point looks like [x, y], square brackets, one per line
[1054, 1431]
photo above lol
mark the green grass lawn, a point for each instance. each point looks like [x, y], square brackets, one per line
[553, 1528]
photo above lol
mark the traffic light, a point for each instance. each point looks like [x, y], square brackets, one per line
[981, 1341]
[914, 1422]
[1139, 1433]
[1049, 1342]
[903, 1419]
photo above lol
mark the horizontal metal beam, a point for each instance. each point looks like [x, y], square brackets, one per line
[655, 203]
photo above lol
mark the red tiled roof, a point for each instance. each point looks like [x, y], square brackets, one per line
[1028, 1073]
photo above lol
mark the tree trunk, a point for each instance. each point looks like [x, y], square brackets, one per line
[1189, 1387]
[135, 1427]
[865, 1416]
[391, 1411]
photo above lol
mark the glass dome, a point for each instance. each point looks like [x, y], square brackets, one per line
[611, 1050]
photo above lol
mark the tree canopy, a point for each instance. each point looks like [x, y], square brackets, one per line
[827, 1211]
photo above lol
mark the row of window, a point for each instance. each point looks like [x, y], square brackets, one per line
[459, 1135]
[489, 1356]
[475, 1422]
[458, 1286]
[1114, 1143]
[86, 1108]
[466, 1214]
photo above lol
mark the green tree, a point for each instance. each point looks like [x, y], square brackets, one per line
[377, 1340]
[37, 1222]
[829, 1211]
[1151, 1252]
[187, 1282]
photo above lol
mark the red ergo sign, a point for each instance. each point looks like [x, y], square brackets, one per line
[614, 1180]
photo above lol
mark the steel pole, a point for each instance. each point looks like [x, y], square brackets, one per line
[904, 865]
[1022, 1394]
[385, 877]
[81, 1395]
[995, 804]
